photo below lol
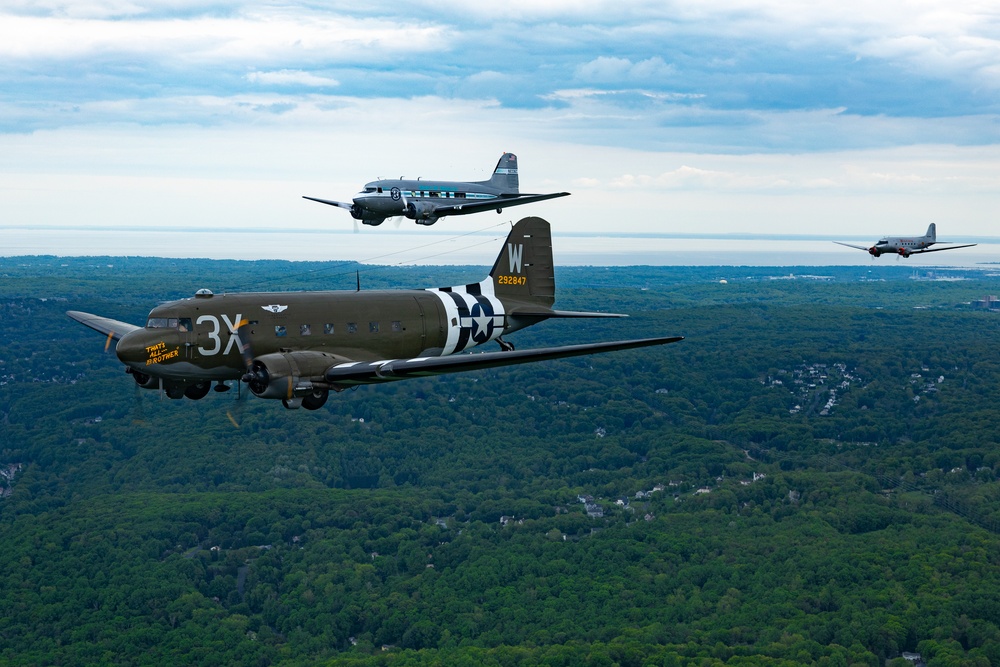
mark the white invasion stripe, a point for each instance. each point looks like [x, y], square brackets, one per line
[450, 313]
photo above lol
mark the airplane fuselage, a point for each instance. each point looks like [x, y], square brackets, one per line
[387, 198]
[900, 246]
[197, 337]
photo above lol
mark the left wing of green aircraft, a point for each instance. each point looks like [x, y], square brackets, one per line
[113, 329]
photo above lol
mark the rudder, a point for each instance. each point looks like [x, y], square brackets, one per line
[932, 232]
[505, 174]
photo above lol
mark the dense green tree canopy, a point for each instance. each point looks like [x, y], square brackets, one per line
[809, 478]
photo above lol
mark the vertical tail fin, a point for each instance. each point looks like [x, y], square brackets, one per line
[524, 271]
[505, 174]
[932, 232]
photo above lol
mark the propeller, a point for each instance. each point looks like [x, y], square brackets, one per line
[252, 373]
[246, 354]
[406, 204]
[256, 376]
[138, 416]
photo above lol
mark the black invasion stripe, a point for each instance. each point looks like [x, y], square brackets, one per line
[463, 312]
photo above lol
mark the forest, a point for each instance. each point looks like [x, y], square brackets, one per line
[811, 477]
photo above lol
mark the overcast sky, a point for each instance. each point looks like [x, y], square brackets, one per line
[719, 116]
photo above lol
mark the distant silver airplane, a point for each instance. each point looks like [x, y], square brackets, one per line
[904, 247]
[427, 201]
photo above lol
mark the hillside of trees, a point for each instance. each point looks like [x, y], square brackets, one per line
[812, 477]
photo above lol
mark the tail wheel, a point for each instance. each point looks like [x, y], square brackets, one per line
[316, 399]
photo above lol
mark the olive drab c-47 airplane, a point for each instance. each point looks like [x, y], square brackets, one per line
[299, 346]
[427, 201]
[904, 247]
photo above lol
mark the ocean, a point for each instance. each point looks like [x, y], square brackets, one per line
[389, 246]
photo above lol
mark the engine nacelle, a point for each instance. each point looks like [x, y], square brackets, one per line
[365, 215]
[421, 210]
[287, 375]
[142, 379]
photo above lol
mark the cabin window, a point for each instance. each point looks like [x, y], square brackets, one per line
[280, 331]
[184, 324]
[459, 195]
[305, 330]
[328, 328]
[373, 327]
[397, 325]
[380, 190]
[352, 327]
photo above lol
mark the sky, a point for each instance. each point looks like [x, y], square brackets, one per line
[844, 119]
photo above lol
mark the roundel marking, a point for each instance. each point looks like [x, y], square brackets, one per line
[481, 321]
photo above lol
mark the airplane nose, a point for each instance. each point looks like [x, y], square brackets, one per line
[130, 350]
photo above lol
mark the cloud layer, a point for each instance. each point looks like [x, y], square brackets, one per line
[723, 69]
[670, 104]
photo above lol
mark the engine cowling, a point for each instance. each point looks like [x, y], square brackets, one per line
[287, 375]
[142, 379]
[420, 210]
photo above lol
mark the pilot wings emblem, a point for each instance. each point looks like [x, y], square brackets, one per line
[275, 308]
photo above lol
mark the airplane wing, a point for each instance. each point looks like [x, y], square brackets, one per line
[398, 369]
[491, 204]
[113, 329]
[859, 247]
[330, 202]
[951, 247]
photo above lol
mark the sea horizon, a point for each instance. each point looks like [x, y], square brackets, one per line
[430, 247]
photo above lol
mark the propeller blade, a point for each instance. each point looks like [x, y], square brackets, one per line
[243, 338]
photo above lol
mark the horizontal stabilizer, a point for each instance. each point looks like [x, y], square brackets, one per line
[104, 325]
[398, 369]
[566, 314]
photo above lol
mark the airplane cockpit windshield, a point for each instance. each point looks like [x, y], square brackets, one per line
[180, 324]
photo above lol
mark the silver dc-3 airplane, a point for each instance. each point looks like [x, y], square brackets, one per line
[904, 247]
[299, 346]
[425, 202]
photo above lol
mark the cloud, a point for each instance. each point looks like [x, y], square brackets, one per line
[715, 57]
[273, 36]
[617, 70]
[291, 78]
